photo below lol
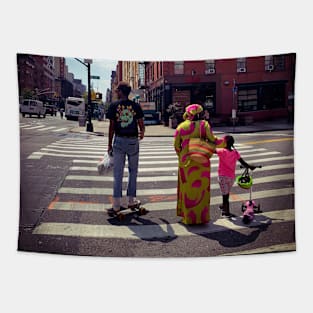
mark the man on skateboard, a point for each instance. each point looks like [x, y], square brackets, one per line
[126, 128]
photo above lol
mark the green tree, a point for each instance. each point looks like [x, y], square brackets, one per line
[27, 93]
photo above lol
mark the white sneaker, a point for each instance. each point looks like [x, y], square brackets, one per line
[135, 204]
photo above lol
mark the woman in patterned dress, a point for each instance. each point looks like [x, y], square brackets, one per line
[193, 190]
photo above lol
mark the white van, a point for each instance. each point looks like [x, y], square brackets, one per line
[74, 107]
[33, 107]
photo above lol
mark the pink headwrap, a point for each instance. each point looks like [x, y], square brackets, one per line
[192, 110]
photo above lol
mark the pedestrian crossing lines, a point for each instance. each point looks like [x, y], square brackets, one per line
[40, 126]
[84, 191]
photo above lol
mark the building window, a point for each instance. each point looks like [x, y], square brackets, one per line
[241, 64]
[269, 63]
[272, 96]
[279, 62]
[141, 70]
[261, 97]
[247, 100]
[209, 67]
[269, 60]
[179, 68]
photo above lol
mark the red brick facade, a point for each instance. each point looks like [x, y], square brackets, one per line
[255, 86]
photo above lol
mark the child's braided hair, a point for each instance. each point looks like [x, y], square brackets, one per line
[229, 142]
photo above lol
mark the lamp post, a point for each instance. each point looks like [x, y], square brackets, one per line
[89, 126]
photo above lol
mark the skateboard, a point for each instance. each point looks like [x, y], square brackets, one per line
[120, 215]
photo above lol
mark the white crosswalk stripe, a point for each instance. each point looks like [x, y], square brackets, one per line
[157, 166]
[174, 168]
[33, 127]
[157, 231]
[260, 180]
[40, 127]
[159, 206]
[60, 129]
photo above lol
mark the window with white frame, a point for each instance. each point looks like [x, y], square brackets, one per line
[209, 64]
[179, 68]
[241, 63]
[279, 62]
[269, 63]
[268, 60]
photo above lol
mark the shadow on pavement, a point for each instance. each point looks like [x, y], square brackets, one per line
[155, 233]
[235, 235]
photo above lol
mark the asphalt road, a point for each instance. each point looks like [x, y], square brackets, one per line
[63, 199]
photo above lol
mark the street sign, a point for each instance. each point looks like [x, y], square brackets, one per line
[94, 77]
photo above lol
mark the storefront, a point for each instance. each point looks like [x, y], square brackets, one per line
[183, 94]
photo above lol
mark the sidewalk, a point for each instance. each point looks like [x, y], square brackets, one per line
[100, 128]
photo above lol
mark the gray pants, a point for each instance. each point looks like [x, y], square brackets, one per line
[122, 147]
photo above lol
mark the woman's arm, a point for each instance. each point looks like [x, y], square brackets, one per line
[219, 142]
[177, 142]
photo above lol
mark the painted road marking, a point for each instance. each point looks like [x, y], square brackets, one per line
[31, 124]
[268, 140]
[261, 180]
[163, 205]
[213, 160]
[148, 153]
[34, 127]
[93, 149]
[168, 169]
[103, 147]
[34, 157]
[266, 134]
[150, 232]
[46, 128]
[95, 155]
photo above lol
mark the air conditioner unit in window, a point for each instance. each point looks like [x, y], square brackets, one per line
[269, 67]
[210, 71]
[241, 70]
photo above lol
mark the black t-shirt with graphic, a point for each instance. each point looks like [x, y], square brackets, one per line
[125, 114]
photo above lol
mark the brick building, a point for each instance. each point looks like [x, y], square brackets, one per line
[254, 88]
[46, 77]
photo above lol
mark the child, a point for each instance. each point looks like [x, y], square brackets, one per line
[226, 171]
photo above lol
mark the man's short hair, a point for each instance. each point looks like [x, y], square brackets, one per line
[124, 87]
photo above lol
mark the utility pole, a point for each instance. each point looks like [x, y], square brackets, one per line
[89, 126]
[234, 117]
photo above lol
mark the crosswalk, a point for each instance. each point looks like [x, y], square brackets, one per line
[39, 125]
[84, 191]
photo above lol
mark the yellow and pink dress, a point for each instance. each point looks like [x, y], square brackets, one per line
[193, 189]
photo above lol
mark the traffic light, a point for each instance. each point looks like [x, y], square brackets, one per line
[99, 96]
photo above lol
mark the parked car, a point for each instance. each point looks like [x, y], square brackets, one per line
[50, 109]
[32, 107]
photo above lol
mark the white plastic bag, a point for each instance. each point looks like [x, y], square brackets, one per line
[105, 165]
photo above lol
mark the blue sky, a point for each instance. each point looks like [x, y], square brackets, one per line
[99, 67]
